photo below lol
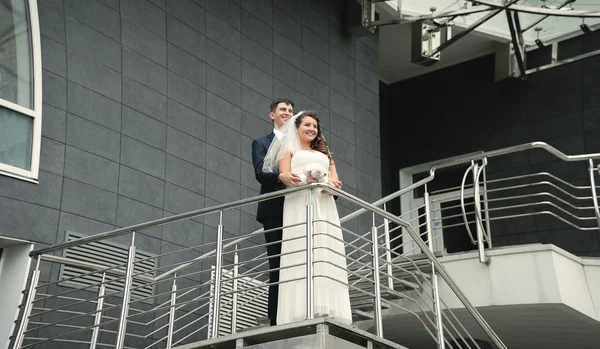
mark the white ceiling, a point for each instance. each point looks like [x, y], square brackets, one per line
[394, 40]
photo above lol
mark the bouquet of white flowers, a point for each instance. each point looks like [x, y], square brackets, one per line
[316, 171]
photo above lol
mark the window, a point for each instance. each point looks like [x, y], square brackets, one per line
[20, 89]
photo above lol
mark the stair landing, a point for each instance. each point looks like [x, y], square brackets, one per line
[322, 333]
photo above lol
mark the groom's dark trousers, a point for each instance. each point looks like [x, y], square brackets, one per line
[270, 214]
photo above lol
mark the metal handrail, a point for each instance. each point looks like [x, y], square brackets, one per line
[415, 236]
[263, 197]
[364, 207]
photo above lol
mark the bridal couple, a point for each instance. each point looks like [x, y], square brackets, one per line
[296, 153]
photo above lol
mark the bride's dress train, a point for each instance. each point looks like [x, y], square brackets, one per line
[331, 297]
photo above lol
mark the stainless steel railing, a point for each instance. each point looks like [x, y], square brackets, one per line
[512, 198]
[208, 288]
[188, 297]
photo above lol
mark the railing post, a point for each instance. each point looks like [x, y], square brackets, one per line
[309, 255]
[428, 219]
[594, 195]
[122, 329]
[486, 207]
[236, 260]
[376, 281]
[98, 315]
[388, 252]
[436, 293]
[172, 313]
[35, 277]
[477, 212]
[216, 311]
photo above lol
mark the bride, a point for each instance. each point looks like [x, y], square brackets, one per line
[303, 151]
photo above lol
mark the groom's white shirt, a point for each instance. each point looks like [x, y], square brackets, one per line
[278, 133]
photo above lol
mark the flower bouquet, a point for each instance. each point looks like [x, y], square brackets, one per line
[317, 172]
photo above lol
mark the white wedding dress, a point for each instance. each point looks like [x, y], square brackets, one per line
[331, 297]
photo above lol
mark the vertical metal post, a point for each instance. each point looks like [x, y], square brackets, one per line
[211, 305]
[388, 252]
[376, 281]
[436, 294]
[594, 195]
[309, 256]
[486, 208]
[98, 315]
[35, 277]
[438, 309]
[172, 313]
[428, 219]
[236, 260]
[122, 329]
[477, 211]
[218, 274]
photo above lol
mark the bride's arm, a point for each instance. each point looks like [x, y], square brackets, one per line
[333, 175]
[285, 164]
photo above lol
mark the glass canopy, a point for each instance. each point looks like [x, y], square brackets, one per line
[560, 19]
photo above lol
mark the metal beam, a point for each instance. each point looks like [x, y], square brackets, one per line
[546, 16]
[473, 26]
[456, 13]
[517, 39]
[540, 10]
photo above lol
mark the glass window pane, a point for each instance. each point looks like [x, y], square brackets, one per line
[16, 136]
[16, 73]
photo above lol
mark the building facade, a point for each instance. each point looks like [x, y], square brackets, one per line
[149, 107]
[558, 106]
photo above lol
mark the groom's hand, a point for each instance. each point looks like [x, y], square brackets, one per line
[289, 179]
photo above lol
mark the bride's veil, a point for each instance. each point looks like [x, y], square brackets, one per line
[288, 143]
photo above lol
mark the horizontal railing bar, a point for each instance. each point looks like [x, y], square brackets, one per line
[515, 149]
[405, 296]
[189, 335]
[537, 203]
[452, 207]
[176, 218]
[528, 185]
[433, 337]
[528, 215]
[41, 340]
[526, 196]
[450, 189]
[85, 265]
[62, 297]
[55, 324]
[127, 334]
[132, 322]
[68, 333]
[389, 197]
[448, 309]
[266, 271]
[190, 323]
[585, 187]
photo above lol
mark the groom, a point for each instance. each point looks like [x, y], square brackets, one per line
[270, 212]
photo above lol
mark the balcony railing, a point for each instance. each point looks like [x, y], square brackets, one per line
[205, 291]
[219, 287]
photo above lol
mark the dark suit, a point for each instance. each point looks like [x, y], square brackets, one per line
[270, 214]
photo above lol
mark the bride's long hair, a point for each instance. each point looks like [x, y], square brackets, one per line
[319, 143]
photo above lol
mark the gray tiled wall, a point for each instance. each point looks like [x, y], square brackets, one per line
[150, 107]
